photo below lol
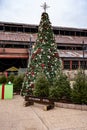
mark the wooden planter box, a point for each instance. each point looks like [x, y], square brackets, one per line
[48, 103]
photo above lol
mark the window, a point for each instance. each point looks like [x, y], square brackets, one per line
[1, 28]
[66, 64]
[83, 64]
[7, 28]
[74, 64]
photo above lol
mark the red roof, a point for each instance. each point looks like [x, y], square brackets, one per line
[72, 53]
[12, 36]
[70, 39]
[18, 36]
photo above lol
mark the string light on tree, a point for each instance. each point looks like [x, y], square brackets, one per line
[44, 55]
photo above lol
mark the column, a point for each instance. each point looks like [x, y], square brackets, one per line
[62, 64]
[70, 64]
[79, 64]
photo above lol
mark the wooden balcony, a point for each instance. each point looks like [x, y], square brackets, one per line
[14, 53]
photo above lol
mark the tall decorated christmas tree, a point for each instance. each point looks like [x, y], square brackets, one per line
[44, 57]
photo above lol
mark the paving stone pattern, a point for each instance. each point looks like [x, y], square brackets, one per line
[14, 116]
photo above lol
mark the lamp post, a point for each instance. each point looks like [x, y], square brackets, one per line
[83, 58]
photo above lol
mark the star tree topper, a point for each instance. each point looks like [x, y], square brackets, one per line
[45, 6]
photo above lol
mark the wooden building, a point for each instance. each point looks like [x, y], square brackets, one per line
[15, 39]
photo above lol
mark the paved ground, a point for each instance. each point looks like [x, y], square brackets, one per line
[14, 116]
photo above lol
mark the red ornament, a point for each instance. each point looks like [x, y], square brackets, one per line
[42, 65]
[32, 73]
[32, 85]
[56, 55]
[49, 64]
[41, 40]
[33, 55]
[38, 51]
[51, 49]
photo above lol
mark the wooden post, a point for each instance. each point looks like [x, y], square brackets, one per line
[48, 107]
[30, 100]
[62, 64]
[79, 64]
[70, 64]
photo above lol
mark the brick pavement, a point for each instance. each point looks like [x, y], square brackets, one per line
[14, 116]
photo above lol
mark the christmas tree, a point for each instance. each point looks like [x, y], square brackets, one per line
[44, 57]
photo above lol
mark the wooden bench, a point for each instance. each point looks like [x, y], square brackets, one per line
[48, 103]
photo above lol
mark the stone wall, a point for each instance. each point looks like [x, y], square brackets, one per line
[71, 106]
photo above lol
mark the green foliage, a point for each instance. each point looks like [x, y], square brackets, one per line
[26, 90]
[79, 91]
[44, 56]
[10, 78]
[3, 79]
[61, 87]
[42, 85]
[17, 83]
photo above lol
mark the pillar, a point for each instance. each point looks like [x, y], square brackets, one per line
[62, 64]
[79, 64]
[70, 64]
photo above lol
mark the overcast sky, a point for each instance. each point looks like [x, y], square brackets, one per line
[65, 13]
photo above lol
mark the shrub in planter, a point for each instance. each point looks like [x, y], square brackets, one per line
[10, 78]
[3, 79]
[79, 91]
[42, 85]
[17, 83]
[61, 87]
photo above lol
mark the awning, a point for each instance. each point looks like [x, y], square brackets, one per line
[12, 69]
